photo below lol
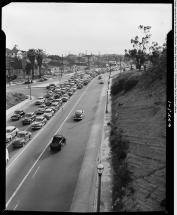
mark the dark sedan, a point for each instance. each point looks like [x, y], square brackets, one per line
[57, 142]
[39, 111]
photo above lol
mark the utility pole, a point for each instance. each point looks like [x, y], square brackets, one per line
[62, 66]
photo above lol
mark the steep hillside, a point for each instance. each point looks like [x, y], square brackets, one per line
[138, 141]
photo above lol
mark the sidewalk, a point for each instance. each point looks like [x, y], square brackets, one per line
[22, 105]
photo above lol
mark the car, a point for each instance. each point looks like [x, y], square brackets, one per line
[39, 111]
[49, 110]
[57, 95]
[41, 98]
[7, 156]
[28, 82]
[39, 102]
[57, 90]
[51, 86]
[48, 95]
[17, 115]
[65, 98]
[74, 89]
[79, 115]
[54, 108]
[58, 100]
[50, 98]
[21, 138]
[29, 117]
[79, 86]
[57, 142]
[43, 105]
[48, 113]
[56, 104]
[101, 82]
[11, 132]
[48, 102]
[42, 79]
[70, 93]
[39, 122]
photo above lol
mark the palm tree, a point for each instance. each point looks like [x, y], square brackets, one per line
[31, 53]
[39, 58]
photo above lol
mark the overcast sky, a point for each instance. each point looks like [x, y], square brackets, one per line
[62, 28]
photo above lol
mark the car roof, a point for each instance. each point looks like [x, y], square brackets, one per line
[49, 109]
[57, 135]
[22, 132]
[39, 117]
[30, 113]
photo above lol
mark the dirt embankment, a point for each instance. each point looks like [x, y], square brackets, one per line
[13, 99]
[138, 142]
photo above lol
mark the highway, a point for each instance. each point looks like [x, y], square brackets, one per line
[39, 180]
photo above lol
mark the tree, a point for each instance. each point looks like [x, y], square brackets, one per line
[140, 47]
[28, 68]
[156, 52]
[31, 53]
[39, 58]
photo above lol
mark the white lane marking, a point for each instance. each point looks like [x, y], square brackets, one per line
[10, 199]
[35, 172]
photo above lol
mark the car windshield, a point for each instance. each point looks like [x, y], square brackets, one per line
[21, 135]
[39, 119]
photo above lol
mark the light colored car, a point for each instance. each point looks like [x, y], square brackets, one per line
[39, 122]
[11, 132]
[49, 110]
[21, 138]
[65, 98]
[39, 102]
[79, 115]
[56, 104]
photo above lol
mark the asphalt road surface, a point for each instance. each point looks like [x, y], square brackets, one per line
[39, 180]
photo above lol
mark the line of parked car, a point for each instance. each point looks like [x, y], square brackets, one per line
[48, 105]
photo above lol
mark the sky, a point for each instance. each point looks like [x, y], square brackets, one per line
[97, 28]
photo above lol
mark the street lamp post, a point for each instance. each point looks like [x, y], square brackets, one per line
[100, 169]
[107, 102]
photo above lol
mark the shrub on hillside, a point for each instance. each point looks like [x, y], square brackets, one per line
[130, 84]
[125, 84]
[117, 87]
